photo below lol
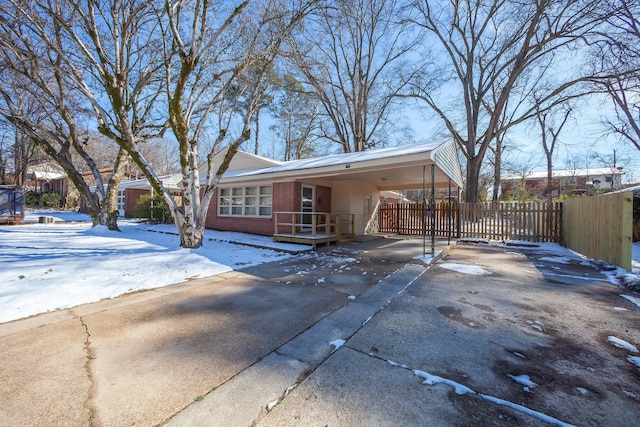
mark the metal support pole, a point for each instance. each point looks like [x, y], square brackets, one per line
[449, 216]
[432, 210]
[424, 202]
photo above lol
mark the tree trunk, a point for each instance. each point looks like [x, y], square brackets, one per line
[548, 190]
[497, 169]
[473, 179]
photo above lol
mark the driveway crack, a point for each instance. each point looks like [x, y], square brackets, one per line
[88, 367]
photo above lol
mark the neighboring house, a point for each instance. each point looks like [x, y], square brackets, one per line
[393, 197]
[43, 178]
[50, 178]
[572, 181]
[255, 190]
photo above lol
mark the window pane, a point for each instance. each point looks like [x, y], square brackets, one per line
[250, 210]
[265, 200]
[265, 211]
[237, 201]
[236, 210]
[238, 191]
[224, 210]
[224, 192]
[251, 191]
[250, 201]
[266, 190]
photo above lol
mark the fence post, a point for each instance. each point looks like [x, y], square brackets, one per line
[459, 221]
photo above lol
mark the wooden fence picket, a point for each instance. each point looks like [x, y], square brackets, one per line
[529, 221]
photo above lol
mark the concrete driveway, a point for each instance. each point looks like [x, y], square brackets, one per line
[524, 345]
[336, 339]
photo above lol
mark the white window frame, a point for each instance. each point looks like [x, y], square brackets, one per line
[254, 201]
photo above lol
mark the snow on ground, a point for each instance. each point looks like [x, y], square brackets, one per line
[44, 267]
[464, 268]
[620, 343]
[428, 259]
[460, 389]
[558, 254]
[632, 300]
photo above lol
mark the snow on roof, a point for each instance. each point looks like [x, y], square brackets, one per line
[46, 175]
[345, 158]
[171, 182]
[567, 173]
[634, 189]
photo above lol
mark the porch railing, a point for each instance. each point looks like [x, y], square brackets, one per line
[314, 224]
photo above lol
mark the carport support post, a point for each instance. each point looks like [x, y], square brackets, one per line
[424, 202]
[449, 216]
[432, 210]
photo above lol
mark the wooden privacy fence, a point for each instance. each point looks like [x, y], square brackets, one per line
[528, 221]
[532, 221]
[415, 219]
[600, 227]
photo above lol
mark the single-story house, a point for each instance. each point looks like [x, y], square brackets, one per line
[264, 196]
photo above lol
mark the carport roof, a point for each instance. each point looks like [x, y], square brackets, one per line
[392, 168]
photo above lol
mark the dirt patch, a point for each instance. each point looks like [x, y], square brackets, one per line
[481, 414]
[455, 313]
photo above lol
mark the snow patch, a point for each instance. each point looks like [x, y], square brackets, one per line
[635, 360]
[271, 405]
[582, 390]
[623, 344]
[632, 300]
[524, 380]
[461, 389]
[336, 344]
[429, 379]
[427, 259]
[392, 363]
[556, 259]
[525, 410]
[464, 268]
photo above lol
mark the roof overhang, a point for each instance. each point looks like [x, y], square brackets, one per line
[395, 168]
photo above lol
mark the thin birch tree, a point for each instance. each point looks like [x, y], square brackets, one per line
[208, 53]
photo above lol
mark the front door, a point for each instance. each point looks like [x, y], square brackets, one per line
[307, 205]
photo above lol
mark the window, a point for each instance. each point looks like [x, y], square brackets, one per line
[245, 201]
[120, 203]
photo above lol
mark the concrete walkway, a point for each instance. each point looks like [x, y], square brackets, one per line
[341, 337]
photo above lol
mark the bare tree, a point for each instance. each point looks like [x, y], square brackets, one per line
[209, 51]
[550, 128]
[18, 152]
[45, 105]
[123, 55]
[350, 55]
[501, 46]
[296, 118]
[620, 53]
